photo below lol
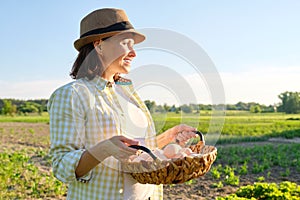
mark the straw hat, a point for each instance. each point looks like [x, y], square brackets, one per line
[104, 23]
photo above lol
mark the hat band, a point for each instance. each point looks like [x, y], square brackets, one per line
[121, 26]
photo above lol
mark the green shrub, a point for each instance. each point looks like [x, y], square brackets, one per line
[266, 191]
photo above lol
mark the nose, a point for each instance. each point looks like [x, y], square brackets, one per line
[132, 53]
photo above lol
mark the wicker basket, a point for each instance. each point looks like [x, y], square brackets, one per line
[173, 171]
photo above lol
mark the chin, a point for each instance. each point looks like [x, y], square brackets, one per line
[125, 70]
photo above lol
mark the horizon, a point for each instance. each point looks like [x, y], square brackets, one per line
[157, 104]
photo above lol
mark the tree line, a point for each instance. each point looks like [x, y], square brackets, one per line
[195, 108]
[290, 103]
[22, 107]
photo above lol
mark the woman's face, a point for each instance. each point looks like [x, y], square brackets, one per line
[117, 54]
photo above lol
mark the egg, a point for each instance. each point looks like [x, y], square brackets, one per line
[180, 155]
[137, 159]
[145, 156]
[188, 151]
[132, 157]
[171, 150]
[159, 154]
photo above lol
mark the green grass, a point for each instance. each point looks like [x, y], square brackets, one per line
[282, 155]
[235, 126]
[238, 126]
[44, 118]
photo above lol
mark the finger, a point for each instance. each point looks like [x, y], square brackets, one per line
[180, 137]
[190, 134]
[127, 150]
[131, 151]
[129, 141]
[182, 143]
[120, 144]
[186, 135]
[124, 153]
[184, 127]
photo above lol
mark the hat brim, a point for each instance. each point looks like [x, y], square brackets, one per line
[138, 37]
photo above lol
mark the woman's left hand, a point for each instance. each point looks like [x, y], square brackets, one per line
[181, 133]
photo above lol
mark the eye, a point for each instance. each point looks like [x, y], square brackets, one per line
[128, 42]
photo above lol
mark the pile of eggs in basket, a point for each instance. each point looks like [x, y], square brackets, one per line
[171, 151]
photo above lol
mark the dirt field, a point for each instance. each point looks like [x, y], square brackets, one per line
[16, 136]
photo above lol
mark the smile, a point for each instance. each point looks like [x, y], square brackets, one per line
[127, 61]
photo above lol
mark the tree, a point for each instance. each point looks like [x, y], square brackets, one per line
[185, 108]
[8, 108]
[242, 106]
[195, 107]
[150, 105]
[159, 109]
[290, 102]
[29, 107]
[166, 107]
[173, 108]
[231, 107]
[255, 109]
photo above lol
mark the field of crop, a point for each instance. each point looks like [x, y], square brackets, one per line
[239, 126]
[253, 148]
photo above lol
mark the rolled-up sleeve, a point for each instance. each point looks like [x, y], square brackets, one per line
[67, 130]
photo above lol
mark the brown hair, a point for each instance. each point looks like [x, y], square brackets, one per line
[87, 63]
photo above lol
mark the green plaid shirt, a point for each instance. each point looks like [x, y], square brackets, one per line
[83, 113]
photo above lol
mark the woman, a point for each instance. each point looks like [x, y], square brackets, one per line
[94, 119]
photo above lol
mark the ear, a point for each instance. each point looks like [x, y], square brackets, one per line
[96, 43]
[97, 46]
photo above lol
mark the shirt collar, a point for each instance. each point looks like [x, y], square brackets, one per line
[101, 83]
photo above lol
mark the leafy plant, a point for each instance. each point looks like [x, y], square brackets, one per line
[20, 179]
[266, 191]
[232, 179]
[286, 173]
[260, 179]
[218, 184]
[244, 168]
[215, 172]
[257, 168]
[190, 182]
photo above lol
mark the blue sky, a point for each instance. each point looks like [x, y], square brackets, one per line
[255, 45]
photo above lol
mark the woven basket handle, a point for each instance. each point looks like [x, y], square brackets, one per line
[201, 141]
[145, 149]
[200, 135]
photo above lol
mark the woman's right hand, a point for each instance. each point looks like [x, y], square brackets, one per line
[116, 146]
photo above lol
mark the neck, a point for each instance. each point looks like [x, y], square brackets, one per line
[108, 77]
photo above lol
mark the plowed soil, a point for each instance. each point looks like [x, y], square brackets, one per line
[17, 136]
